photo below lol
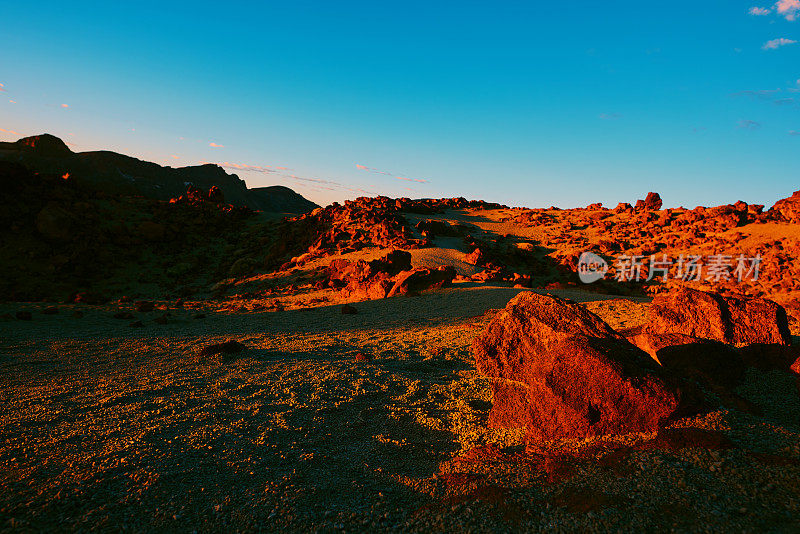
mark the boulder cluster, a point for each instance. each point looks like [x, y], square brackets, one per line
[358, 224]
[646, 230]
[386, 277]
[561, 372]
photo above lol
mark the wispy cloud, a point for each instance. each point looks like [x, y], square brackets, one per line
[759, 11]
[788, 9]
[64, 105]
[215, 145]
[317, 184]
[2, 88]
[745, 124]
[610, 116]
[777, 43]
[13, 101]
[12, 132]
[784, 101]
[387, 173]
[794, 133]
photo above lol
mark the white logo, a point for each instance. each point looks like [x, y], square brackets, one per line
[591, 267]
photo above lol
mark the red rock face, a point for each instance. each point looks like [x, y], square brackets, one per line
[564, 373]
[787, 209]
[726, 319]
[652, 202]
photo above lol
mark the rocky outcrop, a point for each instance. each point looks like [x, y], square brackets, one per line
[562, 372]
[652, 202]
[787, 209]
[385, 277]
[710, 316]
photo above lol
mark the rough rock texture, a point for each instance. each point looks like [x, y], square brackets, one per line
[386, 277]
[566, 374]
[651, 203]
[787, 209]
[422, 280]
[711, 316]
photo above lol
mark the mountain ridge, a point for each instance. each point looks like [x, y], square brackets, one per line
[117, 173]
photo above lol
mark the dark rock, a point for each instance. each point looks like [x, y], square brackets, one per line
[50, 310]
[23, 315]
[349, 310]
[422, 279]
[123, 315]
[136, 324]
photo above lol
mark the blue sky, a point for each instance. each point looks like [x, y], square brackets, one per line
[524, 103]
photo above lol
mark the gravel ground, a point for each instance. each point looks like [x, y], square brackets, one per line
[330, 422]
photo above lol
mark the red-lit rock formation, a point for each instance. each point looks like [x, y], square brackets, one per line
[564, 373]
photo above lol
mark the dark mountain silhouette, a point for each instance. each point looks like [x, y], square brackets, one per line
[119, 174]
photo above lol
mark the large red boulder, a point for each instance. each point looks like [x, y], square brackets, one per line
[564, 373]
[711, 316]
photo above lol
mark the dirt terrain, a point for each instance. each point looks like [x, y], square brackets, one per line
[326, 422]
[189, 365]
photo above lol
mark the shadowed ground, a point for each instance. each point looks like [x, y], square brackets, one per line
[107, 426]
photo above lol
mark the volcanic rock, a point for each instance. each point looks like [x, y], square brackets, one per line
[711, 316]
[24, 316]
[422, 279]
[787, 209]
[651, 203]
[349, 310]
[564, 373]
[475, 257]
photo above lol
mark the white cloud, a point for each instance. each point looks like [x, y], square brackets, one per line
[387, 173]
[759, 11]
[777, 43]
[789, 9]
